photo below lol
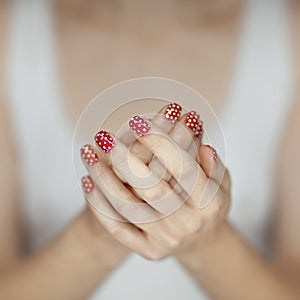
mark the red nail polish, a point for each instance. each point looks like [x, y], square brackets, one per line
[213, 151]
[199, 130]
[87, 184]
[104, 141]
[173, 112]
[192, 120]
[89, 154]
[139, 125]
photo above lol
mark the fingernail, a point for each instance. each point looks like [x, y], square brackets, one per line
[199, 130]
[89, 154]
[87, 184]
[173, 112]
[213, 151]
[139, 125]
[104, 141]
[192, 120]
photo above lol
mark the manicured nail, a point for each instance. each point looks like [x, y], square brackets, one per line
[173, 112]
[213, 151]
[192, 120]
[104, 141]
[139, 125]
[87, 184]
[199, 129]
[89, 154]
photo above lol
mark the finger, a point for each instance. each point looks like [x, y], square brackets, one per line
[197, 141]
[91, 156]
[166, 118]
[97, 199]
[164, 231]
[193, 150]
[161, 120]
[178, 162]
[182, 134]
[199, 131]
[147, 184]
[126, 233]
[213, 166]
[127, 204]
[184, 130]
[177, 188]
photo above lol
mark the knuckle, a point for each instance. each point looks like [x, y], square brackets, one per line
[141, 151]
[155, 193]
[125, 208]
[158, 142]
[191, 226]
[115, 230]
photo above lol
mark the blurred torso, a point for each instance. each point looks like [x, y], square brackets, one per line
[99, 45]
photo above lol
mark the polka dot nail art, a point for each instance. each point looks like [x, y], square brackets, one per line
[192, 120]
[139, 125]
[87, 184]
[199, 130]
[213, 151]
[173, 112]
[89, 154]
[104, 141]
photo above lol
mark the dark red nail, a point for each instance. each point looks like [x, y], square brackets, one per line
[173, 112]
[139, 125]
[199, 129]
[87, 184]
[104, 141]
[89, 154]
[213, 151]
[192, 120]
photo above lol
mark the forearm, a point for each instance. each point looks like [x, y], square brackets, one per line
[229, 269]
[71, 267]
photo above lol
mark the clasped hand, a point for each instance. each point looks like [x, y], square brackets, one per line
[162, 191]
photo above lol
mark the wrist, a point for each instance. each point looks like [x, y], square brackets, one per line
[198, 253]
[100, 244]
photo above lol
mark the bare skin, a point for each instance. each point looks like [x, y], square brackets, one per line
[92, 268]
[117, 45]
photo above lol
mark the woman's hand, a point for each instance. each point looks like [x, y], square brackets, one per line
[171, 203]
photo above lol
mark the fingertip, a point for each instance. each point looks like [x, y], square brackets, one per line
[213, 151]
[173, 112]
[87, 184]
[89, 155]
[199, 130]
[139, 125]
[207, 157]
[105, 141]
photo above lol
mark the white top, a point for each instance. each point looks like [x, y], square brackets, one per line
[253, 123]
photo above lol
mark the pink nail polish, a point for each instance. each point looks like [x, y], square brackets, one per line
[199, 129]
[89, 154]
[139, 125]
[173, 112]
[192, 120]
[87, 184]
[213, 151]
[104, 141]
